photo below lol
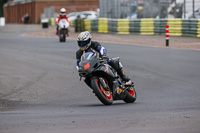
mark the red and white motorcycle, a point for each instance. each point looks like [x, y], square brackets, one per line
[63, 26]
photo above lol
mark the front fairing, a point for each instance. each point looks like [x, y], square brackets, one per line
[91, 64]
[63, 24]
[88, 63]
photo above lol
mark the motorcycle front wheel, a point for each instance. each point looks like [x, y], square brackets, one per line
[104, 96]
[62, 37]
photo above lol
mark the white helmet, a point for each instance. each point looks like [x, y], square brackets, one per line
[63, 11]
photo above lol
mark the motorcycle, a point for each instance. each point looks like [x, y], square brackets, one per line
[63, 29]
[104, 80]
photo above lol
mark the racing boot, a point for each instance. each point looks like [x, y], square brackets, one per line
[125, 78]
[122, 75]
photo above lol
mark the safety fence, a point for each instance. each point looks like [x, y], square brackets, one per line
[177, 27]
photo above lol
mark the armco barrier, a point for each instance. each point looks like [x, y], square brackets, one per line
[87, 23]
[80, 25]
[177, 27]
[185, 27]
[112, 25]
[123, 26]
[198, 29]
[103, 25]
[94, 25]
[53, 21]
[147, 27]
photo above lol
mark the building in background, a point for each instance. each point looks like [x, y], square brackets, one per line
[14, 10]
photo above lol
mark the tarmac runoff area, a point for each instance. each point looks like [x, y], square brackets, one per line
[132, 39]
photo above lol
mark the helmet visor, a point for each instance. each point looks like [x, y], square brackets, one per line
[83, 43]
[62, 13]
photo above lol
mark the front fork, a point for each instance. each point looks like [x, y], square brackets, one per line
[104, 85]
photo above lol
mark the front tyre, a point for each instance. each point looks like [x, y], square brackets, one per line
[64, 37]
[104, 96]
[60, 38]
[130, 95]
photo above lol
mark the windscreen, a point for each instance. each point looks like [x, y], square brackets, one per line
[87, 56]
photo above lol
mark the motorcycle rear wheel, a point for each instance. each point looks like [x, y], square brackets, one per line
[104, 96]
[131, 96]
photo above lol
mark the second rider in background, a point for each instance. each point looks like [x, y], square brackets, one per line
[62, 15]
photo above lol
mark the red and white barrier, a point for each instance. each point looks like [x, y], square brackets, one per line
[167, 35]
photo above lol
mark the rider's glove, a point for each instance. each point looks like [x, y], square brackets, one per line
[77, 64]
[77, 67]
[102, 50]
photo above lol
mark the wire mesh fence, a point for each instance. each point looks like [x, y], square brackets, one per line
[133, 9]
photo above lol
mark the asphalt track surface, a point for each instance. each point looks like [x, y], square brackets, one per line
[40, 91]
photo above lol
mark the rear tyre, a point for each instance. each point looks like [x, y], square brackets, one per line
[131, 95]
[104, 96]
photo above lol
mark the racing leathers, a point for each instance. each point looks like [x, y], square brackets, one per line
[96, 47]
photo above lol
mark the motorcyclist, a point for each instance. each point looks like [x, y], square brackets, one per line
[86, 44]
[61, 16]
